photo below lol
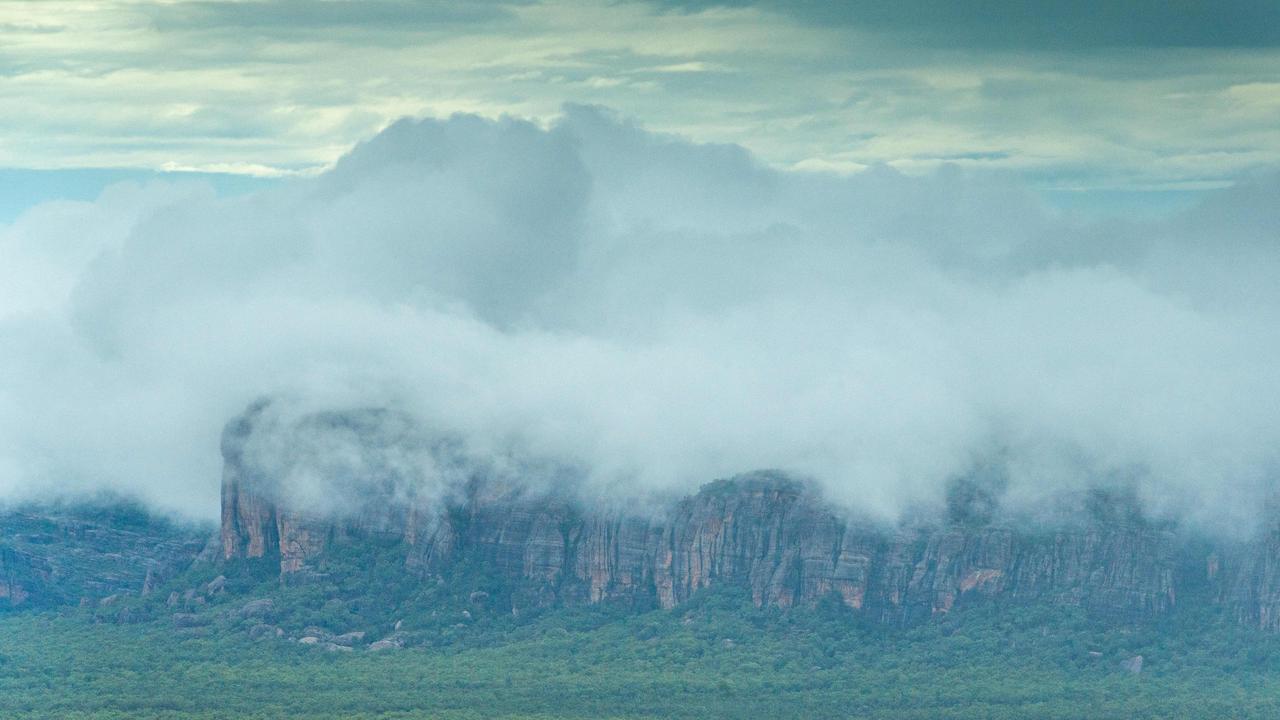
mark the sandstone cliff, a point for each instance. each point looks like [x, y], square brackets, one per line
[764, 532]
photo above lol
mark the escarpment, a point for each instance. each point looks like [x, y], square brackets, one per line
[439, 510]
[60, 555]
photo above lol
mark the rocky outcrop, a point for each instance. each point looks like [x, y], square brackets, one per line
[299, 492]
[769, 534]
[292, 488]
[248, 509]
[1246, 577]
[84, 554]
[21, 574]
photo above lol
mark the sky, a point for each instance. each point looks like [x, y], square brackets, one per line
[1136, 102]
[659, 242]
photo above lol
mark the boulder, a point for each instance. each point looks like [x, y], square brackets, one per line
[316, 631]
[347, 639]
[263, 630]
[216, 585]
[188, 620]
[150, 582]
[257, 608]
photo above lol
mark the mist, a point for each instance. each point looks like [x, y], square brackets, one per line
[655, 312]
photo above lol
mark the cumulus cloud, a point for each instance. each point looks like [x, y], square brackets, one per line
[655, 312]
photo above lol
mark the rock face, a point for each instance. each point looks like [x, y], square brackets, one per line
[299, 491]
[1246, 577]
[61, 555]
[21, 573]
[766, 533]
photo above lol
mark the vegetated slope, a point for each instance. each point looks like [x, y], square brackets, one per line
[718, 656]
[490, 598]
[92, 552]
[406, 517]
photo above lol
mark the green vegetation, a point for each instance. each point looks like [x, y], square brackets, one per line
[715, 657]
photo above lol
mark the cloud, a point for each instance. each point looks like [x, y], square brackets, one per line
[399, 16]
[1128, 96]
[1047, 25]
[654, 312]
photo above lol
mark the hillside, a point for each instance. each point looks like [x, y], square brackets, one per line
[718, 657]
[490, 592]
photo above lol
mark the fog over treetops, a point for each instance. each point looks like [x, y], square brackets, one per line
[657, 312]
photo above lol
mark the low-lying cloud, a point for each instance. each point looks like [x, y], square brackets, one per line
[657, 312]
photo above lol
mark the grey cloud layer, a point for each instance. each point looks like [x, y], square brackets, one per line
[1130, 96]
[657, 312]
[1042, 25]
[292, 15]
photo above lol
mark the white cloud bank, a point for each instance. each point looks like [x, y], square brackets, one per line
[661, 312]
